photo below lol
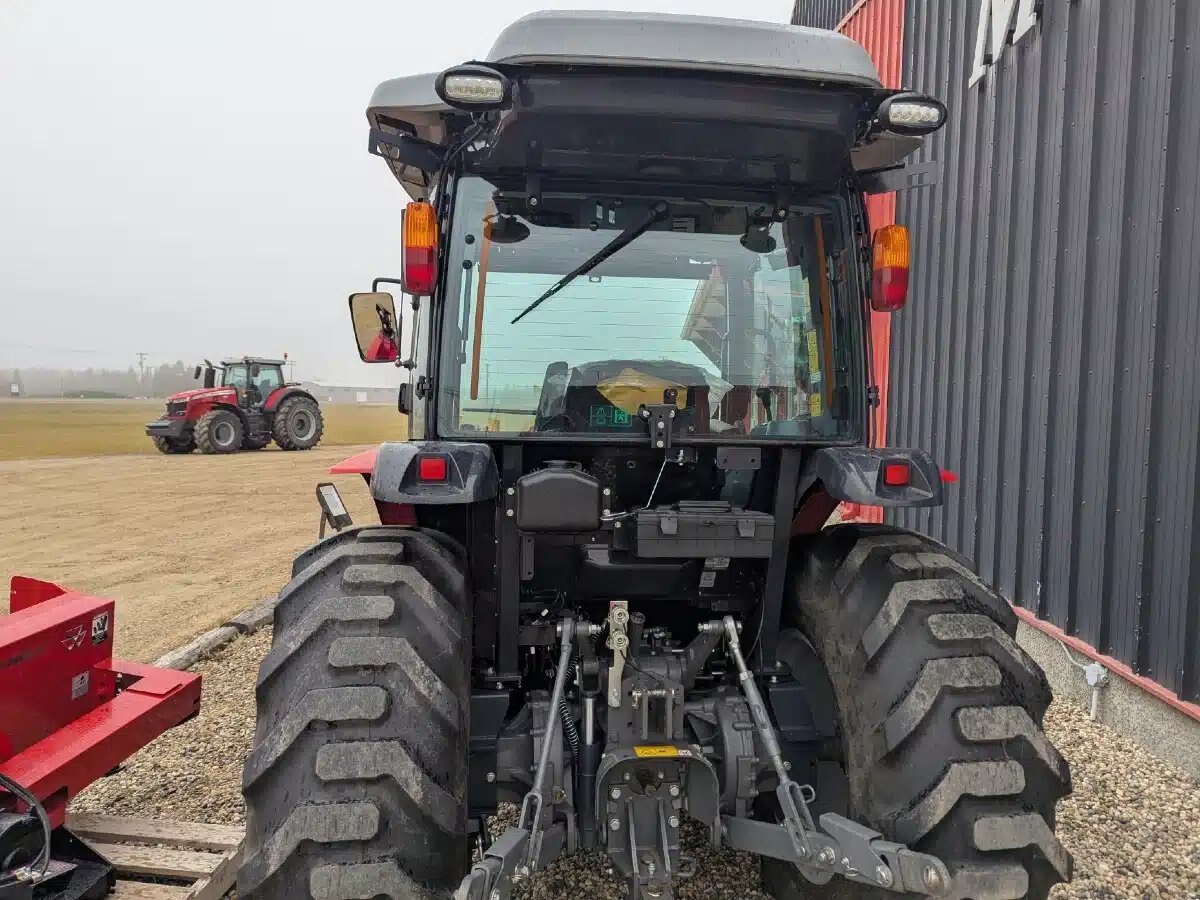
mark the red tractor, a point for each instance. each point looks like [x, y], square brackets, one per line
[251, 406]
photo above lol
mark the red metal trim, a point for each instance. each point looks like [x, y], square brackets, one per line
[24, 592]
[1113, 665]
[358, 464]
[841, 26]
[61, 765]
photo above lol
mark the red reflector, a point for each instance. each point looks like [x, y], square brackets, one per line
[949, 477]
[420, 271]
[889, 289]
[895, 474]
[431, 468]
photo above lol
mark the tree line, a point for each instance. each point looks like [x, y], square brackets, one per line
[154, 381]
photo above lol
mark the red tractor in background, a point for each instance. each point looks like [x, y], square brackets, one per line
[251, 406]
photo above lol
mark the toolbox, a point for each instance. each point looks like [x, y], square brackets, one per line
[709, 528]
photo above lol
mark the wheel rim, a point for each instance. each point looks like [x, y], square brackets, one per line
[303, 425]
[223, 434]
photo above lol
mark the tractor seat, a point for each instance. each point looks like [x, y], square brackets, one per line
[604, 397]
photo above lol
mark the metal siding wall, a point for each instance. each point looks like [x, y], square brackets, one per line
[820, 13]
[1048, 353]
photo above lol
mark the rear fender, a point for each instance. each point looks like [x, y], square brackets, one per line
[280, 394]
[471, 474]
[856, 475]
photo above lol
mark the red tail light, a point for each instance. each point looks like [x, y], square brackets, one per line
[431, 468]
[889, 286]
[420, 249]
[896, 474]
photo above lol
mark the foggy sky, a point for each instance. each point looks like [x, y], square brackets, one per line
[191, 179]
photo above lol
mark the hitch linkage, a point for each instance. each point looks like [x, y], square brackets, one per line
[842, 847]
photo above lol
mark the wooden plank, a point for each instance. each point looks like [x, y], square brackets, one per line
[161, 861]
[139, 890]
[217, 885]
[190, 835]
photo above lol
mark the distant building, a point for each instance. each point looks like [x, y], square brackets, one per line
[337, 393]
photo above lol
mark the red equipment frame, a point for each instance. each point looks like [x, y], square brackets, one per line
[69, 712]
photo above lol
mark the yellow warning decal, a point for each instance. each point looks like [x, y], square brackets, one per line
[655, 751]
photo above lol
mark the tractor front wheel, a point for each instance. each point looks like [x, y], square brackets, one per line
[357, 783]
[174, 445]
[298, 424]
[219, 431]
[940, 714]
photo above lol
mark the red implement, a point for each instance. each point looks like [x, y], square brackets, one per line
[69, 712]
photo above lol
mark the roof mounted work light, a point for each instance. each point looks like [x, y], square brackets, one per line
[474, 87]
[911, 114]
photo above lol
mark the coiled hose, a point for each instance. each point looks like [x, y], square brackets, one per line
[570, 729]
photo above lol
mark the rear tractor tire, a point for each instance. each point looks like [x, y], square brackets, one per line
[219, 431]
[298, 424]
[174, 445]
[940, 714]
[357, 783]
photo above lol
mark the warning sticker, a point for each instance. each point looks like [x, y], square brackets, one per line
[79, 685]
[100, 628]
[708, 579]
[716, 562]
[660, 751]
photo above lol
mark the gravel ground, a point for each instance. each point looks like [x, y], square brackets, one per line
[193, 773]
[1133, 822]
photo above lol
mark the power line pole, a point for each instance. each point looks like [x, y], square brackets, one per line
[142, 366]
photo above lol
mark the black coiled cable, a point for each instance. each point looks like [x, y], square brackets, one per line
[570, 729]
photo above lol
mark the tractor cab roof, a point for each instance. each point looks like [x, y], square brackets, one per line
[586, 79]
[253, 360]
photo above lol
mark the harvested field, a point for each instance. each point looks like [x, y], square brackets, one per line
[1133, 822]
[182, 543]
[32, 429]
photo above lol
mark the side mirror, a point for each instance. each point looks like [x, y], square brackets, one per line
[376, 327]
[196, 373]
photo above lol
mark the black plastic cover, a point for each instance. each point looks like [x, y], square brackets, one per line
[855, 475]
[471, 474]
[692, 529]
[559, 497]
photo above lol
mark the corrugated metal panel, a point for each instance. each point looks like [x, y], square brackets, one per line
[820, 13]
[1049, 351]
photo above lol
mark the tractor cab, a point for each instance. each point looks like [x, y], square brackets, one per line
[639, 271]
[253, 379]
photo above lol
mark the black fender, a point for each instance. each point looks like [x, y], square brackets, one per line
[279, 396]
[471, 473]
[856, 475]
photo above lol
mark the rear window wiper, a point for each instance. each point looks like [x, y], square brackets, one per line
[626, 237]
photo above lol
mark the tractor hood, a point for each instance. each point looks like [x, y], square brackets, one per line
[202, 394]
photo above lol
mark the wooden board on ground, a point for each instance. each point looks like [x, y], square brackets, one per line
[203, 858]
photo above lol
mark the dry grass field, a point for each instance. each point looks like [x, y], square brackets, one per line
[40, 428]
[182, 543]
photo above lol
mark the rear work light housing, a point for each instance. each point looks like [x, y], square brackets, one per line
[910, 114]
[890, 258]
[419, 272]
[473, 86]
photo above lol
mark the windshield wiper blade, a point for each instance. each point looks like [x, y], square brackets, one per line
[631, 232]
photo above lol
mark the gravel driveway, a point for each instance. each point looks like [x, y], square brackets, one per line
[1133, 822]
